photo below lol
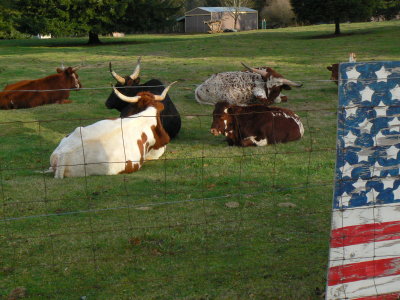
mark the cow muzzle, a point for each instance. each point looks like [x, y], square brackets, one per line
[215, 132]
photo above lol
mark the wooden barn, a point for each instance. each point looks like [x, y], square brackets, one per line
[203, 19]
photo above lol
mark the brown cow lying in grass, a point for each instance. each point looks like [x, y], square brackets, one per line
[335, 68]
[255, 125]
[31, 93]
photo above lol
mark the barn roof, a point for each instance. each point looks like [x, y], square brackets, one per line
[222, 9]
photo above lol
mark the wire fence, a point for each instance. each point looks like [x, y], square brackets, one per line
[203, 210]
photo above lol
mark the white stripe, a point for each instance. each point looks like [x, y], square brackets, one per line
[364, 252]
[366, 215]
[364, 288]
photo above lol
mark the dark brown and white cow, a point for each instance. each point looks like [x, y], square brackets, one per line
[242, 88]
[110, 147]
[256, 124]
[334, 68]
[31, 93]
[129, 86]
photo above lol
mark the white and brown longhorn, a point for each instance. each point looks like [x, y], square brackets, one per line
[117, 146]
[243, 88]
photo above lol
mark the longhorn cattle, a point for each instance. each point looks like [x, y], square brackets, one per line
[31, 93]
[255, 125]
[129, 86]
[110, 147]
[242, 88]
[334, 68]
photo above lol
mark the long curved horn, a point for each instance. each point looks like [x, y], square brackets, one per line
[74, 69]
[126, 98]
[261, 72]
[118, 78]
[136, 72]
[291, 83]
[164, 93]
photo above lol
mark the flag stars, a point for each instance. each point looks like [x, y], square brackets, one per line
[349, 139]
[353, 75]
[376, 169]
[381, 110]
[371, 196]
[382, 74]
[359, 184]
[366, 126]
[346, 170]
[351, 109]
[366, 94]
[345, 199]
[388, 183]
[395, 92]
[392, 152]
[394, 124]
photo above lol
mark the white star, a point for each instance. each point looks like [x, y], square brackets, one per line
[353, 75]
[392, 152]
[346, 170]
[395, 92]
[366, 94]
[382, 74]
[365, 126]
[380, 139]
[376, 169]
[345, 199]
[360, 184]
[388, 183]
[362, 157]
[349, 139]
[381, 110]
[394, 123]
[371, 195]
[396, 194]
[351, 109]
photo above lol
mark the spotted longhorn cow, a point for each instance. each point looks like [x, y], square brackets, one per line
[117, 146]
[129, 86]
[334, 68]
[256, 124]
[242, 88]
[50, 89]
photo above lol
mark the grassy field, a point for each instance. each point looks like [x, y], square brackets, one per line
[206, 221]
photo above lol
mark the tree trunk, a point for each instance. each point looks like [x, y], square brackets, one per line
[93, 38]
[337, 26]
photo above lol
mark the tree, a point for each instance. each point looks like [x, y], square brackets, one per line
[235, 6]
[388, 9]
[338, 11]
[8, 17]
[93, 17]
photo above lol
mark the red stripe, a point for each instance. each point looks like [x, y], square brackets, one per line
[362, 234]
[364, 270]
[394, 296]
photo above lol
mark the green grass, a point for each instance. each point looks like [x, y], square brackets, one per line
[167, 231]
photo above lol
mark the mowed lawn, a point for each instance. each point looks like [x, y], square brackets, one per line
[205, 221]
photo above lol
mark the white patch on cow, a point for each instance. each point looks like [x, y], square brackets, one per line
[104, 147]
[76, 80]
[263, 142]
[226, 124]
[297, 120]
[274, 81]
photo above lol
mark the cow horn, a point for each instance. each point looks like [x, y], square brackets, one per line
[126, 98]
[62, 66]
[74, 69]
[164, 93]
[136, 72]
[261, 72]
[291, 83]
[118, 78]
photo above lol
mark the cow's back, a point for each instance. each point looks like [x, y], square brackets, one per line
[232, 87]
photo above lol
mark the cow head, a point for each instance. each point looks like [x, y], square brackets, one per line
[144, 100]
[222, 119]
[334, 72]
[124, 85]
[274, 83]
[71, 77]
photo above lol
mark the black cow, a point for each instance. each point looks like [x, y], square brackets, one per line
[130, 86]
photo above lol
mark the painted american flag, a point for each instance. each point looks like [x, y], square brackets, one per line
[364, 259]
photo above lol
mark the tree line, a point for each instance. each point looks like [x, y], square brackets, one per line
[96, 17]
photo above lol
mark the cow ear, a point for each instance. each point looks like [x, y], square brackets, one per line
[286, 87]
[329, 68]
[59, 70]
